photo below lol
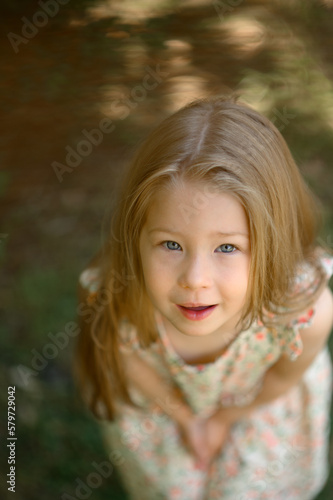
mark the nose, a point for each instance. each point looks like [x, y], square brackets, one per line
[195, 273]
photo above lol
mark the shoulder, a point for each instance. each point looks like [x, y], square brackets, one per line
[311, 274]
[322, 323]
[312, 338]
[314, 275]
[317, 319]
[307, 332]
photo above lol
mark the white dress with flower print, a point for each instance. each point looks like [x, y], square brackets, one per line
[279, 452]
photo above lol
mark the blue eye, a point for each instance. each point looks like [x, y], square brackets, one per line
[171, 245]
[226, 248]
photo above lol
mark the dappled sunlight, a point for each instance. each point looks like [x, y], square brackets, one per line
[113, 94]
[245, 34]
[321, 88]
[307, 93]
[178, 53]
[135, 58]
[184, 89]
[128, 11]
[119, 100]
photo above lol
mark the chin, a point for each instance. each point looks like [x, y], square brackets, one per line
[199, 334]
[193, 331]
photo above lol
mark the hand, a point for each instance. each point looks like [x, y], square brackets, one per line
[204, 437]
[193, 433]
[216, 434]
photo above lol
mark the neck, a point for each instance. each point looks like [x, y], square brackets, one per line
[199, 350]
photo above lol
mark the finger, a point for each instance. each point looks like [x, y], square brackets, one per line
[203, 455]
[201, 465]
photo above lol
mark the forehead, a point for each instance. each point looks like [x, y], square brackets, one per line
[194, 205]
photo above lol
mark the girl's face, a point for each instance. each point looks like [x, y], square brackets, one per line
[195, 254]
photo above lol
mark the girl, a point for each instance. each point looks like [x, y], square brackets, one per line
[206, 317]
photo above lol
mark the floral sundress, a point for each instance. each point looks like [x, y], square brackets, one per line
[280, 451]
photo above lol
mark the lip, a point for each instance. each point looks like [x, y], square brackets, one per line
[196, 314]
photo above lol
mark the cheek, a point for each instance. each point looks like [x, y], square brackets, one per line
[234, 281]
[155, 275]
[157, 286]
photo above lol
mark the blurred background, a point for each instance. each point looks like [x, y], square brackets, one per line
[82, 83]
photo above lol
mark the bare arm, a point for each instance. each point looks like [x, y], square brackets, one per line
[169, 399]
[204, 437]
[281, 377]
[166, 396]
[284, 374]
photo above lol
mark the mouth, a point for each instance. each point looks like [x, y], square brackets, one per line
[196, 312]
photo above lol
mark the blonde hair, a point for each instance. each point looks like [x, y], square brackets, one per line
[232, 147]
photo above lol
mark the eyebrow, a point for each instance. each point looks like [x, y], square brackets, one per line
[217, 233]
